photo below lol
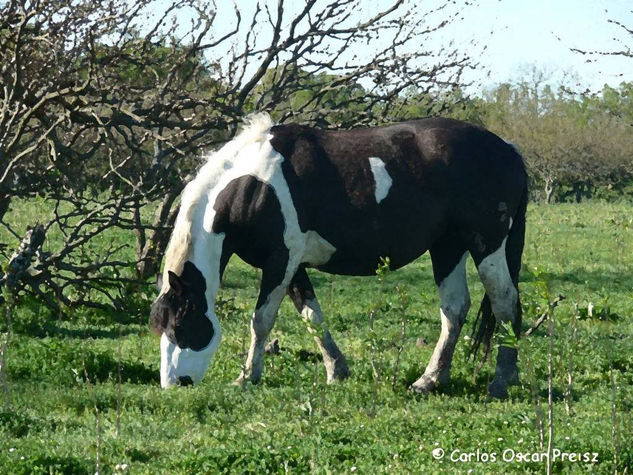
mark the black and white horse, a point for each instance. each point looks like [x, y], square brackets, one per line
[288, 197]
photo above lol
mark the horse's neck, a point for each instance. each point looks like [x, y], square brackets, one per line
[206, 251]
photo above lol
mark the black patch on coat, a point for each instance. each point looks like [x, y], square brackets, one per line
[249, 213]
[180, 313]
[300, 289]
[448, 178]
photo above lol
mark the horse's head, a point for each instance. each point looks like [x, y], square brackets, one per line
[188, 337]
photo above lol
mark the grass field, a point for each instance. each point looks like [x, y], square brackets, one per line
[64, 410]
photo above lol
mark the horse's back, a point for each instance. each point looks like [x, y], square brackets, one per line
[395, 190]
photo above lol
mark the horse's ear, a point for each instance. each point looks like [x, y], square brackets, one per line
[175, 283]
[159, 281]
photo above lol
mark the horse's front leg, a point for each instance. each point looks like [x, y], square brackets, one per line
[271, 292]
[302, 295]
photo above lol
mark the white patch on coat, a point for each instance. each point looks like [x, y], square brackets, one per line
[454, 304]
[453, 290]
[495, 276]
[259, 159]
[250, 153]
[318, 250]
[382, 179]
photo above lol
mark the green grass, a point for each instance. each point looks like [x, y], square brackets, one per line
[61, 412]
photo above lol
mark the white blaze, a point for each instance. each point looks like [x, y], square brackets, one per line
[381, 178]
[176, 362]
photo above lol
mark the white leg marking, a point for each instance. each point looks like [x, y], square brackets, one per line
[503, 298]
[261, 323]
[495, 276]
[311, 312]
[381, 178]
[333, 360]
[454, 305]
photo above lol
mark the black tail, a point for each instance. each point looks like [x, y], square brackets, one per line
[485, 323]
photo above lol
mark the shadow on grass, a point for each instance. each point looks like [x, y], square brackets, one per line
[68, 364]
[36, 328]
[592, 280]
[94, 333]
[102, 367]
[18, 424]
[54, 464]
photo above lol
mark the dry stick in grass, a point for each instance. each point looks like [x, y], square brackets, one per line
[553, 304]
[3, 360]
[315, 386]
[614, 413]
[570, 366]
[403, 333]
[535, 400]
[550, 399]
[93, 396]
[118, 383]
[372, 350]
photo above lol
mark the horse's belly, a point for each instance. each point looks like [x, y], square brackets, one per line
[361, 249]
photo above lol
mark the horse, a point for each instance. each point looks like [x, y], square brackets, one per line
[289, 197]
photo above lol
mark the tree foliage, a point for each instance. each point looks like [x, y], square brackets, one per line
[572, 144]
[105, 106]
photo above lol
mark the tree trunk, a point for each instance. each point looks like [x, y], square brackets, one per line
[151, 244]
[5, 201]
[550, 184]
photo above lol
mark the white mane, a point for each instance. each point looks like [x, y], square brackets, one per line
[194, 196]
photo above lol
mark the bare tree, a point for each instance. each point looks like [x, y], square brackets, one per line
[105, 106]
[624, 43]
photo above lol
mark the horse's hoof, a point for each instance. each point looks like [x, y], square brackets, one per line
[424, 385]
[513, 378]
[242, 380]
[336, 369]
[498, 389]
[341, 371]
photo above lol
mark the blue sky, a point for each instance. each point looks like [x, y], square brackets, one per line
[522, 33]
[518, 35]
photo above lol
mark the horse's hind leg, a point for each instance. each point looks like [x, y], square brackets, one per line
[503, 295]
[302, 294]
[449, 270]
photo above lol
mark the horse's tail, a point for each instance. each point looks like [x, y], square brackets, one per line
[483, 332]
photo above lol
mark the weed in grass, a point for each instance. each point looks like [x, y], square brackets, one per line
[4, 344]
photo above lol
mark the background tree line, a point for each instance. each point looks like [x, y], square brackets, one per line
[107, 106]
